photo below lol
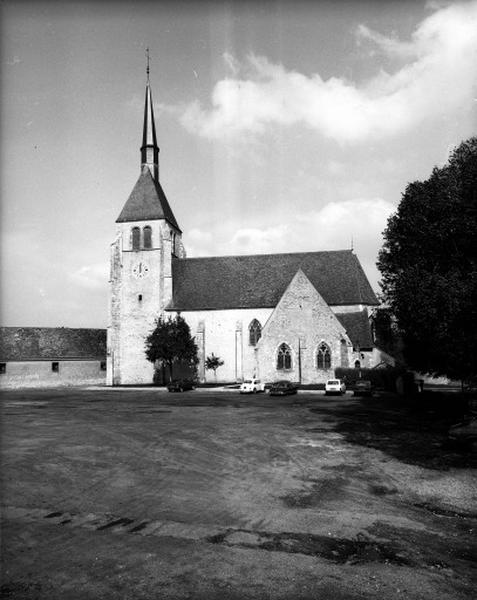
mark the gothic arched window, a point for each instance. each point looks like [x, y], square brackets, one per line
[323, 357]
[284, 360]
[136, 238]
[147, 237]
[254, 332]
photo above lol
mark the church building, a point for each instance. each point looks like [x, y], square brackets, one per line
[295, 316]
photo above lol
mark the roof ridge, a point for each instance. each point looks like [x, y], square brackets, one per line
[267, 254]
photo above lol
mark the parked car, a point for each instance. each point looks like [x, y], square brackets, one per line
[180, 385]
[465, 433]
[252, 386]
[281, 388]
[363, 387]
[334, 386]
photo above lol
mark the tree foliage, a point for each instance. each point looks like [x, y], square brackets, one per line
[428, 265]
[212, 363]
[171, 343]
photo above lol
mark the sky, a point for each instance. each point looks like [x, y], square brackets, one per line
[283, 127]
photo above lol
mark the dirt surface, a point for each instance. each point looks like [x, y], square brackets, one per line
[138, 493]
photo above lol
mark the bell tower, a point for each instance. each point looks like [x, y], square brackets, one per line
[147, 239]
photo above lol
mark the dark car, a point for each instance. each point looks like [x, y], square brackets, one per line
[180, 385]
[280, 388]
[363, 387]
[465, 433]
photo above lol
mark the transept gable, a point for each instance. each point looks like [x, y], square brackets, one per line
[301, 312]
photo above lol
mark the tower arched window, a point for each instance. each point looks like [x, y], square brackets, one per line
[147, 237]
[136, 238]
[323, 357]
[284, 359]
[254, 332]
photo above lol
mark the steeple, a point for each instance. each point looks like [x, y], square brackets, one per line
[149, 148]
[147, 201]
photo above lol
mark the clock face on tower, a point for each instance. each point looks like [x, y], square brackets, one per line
[140, 270]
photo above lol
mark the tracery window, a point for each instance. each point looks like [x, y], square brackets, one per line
[284, 359]
[254, 332]
[323, 357]
[136, 238]
[147, 237]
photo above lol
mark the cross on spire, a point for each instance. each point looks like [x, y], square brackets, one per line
[147, 65]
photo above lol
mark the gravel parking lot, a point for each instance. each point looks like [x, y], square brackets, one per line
[139, 493]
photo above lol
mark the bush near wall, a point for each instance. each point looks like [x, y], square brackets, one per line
[384, 379]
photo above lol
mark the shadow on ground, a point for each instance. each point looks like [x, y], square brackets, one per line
[413, 430]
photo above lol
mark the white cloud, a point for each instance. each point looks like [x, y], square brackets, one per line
[198, 242]
[14, 61]
[438, 79]
[231, 62]
[390, 46]
[257, 241]
[332, 227]
[91, 276]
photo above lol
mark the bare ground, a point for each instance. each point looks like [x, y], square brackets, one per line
[144, 494]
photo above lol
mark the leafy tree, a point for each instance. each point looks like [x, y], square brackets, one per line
[429, 268]
[171, 343]
[213, 363]
[386, 334]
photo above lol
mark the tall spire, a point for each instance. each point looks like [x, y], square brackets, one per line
[149, 148]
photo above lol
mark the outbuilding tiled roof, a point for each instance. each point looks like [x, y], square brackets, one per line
[357, 327]
[47, 343]
[259, 281]
[147, 202]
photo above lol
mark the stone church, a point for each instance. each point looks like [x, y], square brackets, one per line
[293, 316]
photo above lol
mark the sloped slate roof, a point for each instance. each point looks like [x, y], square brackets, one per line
[259, 281]
[46, 343]
[147, 202]
[357, 327]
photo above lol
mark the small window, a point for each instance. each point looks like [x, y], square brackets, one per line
[357, 364]
[3, 368]
[147, 237]
[136, 238]
[323, 357]
[55, 367]
[284, 361]
[139, 297]
[254, 332]
[102, 365]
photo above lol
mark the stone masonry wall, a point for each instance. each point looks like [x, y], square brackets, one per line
[40, 373]
[141, 285]
[226, 334]
[303, 320]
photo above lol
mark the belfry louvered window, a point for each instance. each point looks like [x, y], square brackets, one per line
[254, 332]
[284, 359]
[147, 237]
[323, 357]
[136, 238]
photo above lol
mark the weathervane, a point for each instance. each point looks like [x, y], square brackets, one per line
[147, 67]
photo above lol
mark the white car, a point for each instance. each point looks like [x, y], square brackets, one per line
[252, 386]
[335, 386]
